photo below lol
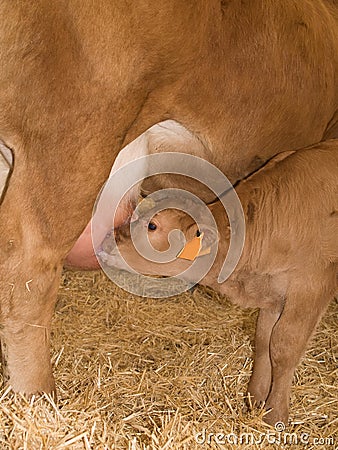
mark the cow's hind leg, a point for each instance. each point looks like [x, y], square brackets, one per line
[28, 300]
[41, 216]
[29, 277]
[303, 309]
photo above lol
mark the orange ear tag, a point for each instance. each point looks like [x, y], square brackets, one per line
[192, 249]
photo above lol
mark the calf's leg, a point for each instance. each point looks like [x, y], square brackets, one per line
[260, 381]
[302, 311]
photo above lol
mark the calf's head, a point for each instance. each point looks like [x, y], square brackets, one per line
[161, 243]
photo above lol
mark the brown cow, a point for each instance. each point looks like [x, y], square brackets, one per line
[81, 80]
[288, 267]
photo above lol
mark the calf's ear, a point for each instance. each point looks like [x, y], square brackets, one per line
[134, 217]
[210, 236]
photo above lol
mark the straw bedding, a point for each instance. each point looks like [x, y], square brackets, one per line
[137, 373]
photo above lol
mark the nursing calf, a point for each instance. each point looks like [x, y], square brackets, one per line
[288, 266]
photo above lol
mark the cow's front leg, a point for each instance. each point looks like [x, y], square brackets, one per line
[289, 338]
[260, 381]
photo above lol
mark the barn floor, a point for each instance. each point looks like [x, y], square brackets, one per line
[135, 373]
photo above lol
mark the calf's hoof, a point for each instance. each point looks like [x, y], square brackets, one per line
[254, 400]
[277, 418]
[273, 415]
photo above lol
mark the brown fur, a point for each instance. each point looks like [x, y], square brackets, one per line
[80, 80]
[288, 267]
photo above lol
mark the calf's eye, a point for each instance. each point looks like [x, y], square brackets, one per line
[152, 226]
[198, 233]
